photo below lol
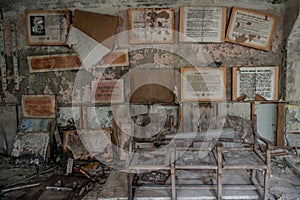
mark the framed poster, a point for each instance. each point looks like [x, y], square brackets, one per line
[253, 82]
[73, 143]
[251, 28]
[202, 24]
[56, 62]
[108, 91]
[203, 84]
[98, 143]
[38, 106]
[35, 144]
[151, 25]
[47, 27]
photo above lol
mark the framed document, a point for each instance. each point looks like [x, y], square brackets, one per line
[56, 62]
[97, 142]
[251, 28]
[38, 106]
[251, 83]
[202, 24]
[108, 91]
[151, 25]
[35, 144]
[203, 84]
[47, 27]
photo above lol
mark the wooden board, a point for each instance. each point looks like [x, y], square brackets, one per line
[255, 83]
[55, 62]
[100, 27]
[115, 58]
[152, 85]
[108, 91]
[151, 25]
[39, 106]
[202, 24]
[203, 84]
[251, 28]
[47, 27]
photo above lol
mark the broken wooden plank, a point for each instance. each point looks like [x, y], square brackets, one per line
[294, 163]
[57, 62]
[280, 124]
[100, 27]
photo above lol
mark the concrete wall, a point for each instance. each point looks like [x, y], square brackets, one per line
[62, 83]
[292, 83]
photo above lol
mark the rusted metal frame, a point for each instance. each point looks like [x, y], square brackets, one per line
[173, 171]
[130, 179]
[245, 167]
[197, 187]
[260, 189]
[267, 174]
[195, 167]
[220, 169]
[194, 149]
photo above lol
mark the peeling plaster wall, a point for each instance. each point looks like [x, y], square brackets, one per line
[62, 83]
[292, 127]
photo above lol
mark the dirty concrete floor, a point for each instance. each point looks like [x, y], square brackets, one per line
[284, 183]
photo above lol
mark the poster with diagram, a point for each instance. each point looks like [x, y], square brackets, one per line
[251, 28]
[151, 25]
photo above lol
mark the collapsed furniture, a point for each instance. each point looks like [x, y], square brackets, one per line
[232, 144]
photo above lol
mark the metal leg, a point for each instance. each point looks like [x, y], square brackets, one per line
[219, 179]
[129, 185]
[173, 171]
[266, 184]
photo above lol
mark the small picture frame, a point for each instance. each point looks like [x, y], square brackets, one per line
[251, 28]
[108, 91]
[151, 25]
[203, 84]
[39, 106]
[47, 27]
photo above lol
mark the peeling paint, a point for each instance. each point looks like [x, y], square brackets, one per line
[9, 98]
[293, 118]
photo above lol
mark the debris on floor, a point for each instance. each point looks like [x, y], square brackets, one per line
[92, 180]
[50, 180]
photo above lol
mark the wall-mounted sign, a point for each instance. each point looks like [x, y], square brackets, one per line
[202, 24]
[38, 106]
[252, 81]
[108, 91]
[251, 28]
[47, 27]
[151, 25]
[55, 62]
[203, 84]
